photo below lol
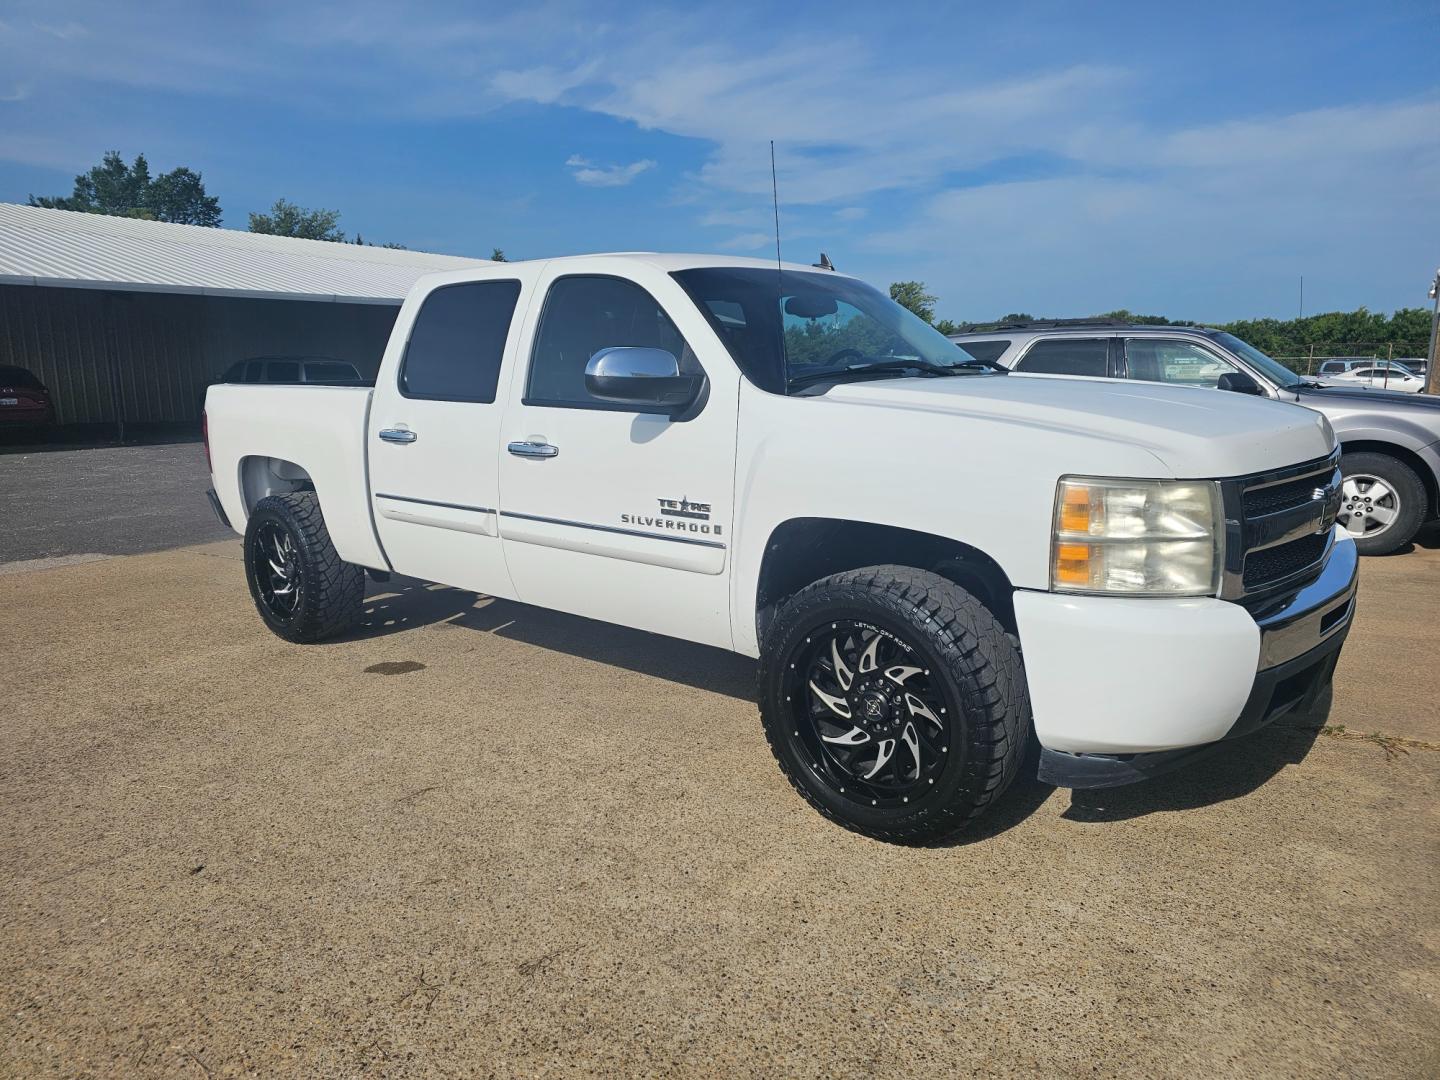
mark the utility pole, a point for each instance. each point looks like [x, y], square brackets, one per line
[1432, 378]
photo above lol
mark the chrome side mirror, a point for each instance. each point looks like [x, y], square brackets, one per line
[631, 376]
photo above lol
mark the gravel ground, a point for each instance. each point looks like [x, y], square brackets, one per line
[483, 839]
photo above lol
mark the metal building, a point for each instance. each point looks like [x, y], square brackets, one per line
[128, 321]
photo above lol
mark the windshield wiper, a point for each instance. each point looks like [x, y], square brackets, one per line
[883, 367]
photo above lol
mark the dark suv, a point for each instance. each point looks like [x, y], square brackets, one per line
[1390, 441]
[294, 369]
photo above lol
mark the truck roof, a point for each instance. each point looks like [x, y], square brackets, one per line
[663, 261]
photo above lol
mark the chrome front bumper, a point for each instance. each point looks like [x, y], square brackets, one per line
[1316, 613]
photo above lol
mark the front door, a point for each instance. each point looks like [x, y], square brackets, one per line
[434, 428]
[609, 510]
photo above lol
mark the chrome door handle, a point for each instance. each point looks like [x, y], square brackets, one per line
[397, 435]
[533, 447]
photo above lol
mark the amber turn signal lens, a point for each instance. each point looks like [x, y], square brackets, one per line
[1072, 564]
[1075, 509]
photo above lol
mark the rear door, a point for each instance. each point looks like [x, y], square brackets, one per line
[434, 429]
[627, 518]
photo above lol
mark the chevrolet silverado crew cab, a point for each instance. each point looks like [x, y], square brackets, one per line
[934, 562]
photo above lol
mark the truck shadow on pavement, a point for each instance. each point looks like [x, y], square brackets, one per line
[1230, 773]
[407, 604]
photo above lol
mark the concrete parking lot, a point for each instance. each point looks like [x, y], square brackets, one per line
[483, 839]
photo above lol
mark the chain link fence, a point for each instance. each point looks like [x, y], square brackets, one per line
[1308, 363]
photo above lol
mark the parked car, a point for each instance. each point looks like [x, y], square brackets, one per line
[294, 369]
[24, 400]
[784, 462]
[1390, 440]
[1338, 365]
[1389, 377]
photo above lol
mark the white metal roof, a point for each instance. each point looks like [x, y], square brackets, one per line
[93, 251]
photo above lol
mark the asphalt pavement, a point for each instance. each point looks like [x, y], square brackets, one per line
[121, 500]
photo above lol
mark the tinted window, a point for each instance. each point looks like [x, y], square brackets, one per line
[1067, 356]
[1331, 366]
[985, 350]
[584, 315]
[282, 371]
[254, 372]
[329, 371]
[1177, 362]
[458, 341]
[234, 373]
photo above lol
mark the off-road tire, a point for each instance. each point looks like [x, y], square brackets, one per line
[975, 665]
[1409, 493]
[331, 591]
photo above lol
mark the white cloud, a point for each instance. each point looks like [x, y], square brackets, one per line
[587, 172]
[1248, 205]
[851, 213]
[749, 241]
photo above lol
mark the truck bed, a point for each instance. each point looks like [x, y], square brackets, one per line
[258, 433]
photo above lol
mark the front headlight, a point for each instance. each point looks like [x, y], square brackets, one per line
[1138, 537]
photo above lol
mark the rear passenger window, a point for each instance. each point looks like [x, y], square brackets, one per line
[1067, 356]
[989, 351]
[458, 340]
[584, 314]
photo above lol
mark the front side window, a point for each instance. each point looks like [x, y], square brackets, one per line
[1068, 356]
[780, 326]
[458, 342]
[1177, 362]
[587, 313]
[255, 371]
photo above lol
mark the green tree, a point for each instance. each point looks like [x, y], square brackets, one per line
[121, 190]
[497, 255]
[912, 294]
[287, 219]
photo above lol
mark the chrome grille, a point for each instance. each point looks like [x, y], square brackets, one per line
[1277, 527]
[1269, 565]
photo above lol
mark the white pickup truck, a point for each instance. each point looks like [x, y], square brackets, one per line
[935, 563]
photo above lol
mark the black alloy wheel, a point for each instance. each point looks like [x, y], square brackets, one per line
[275, 570]
[869, 712]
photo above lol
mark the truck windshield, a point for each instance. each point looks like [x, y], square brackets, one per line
[1273, 370]
[786, 328]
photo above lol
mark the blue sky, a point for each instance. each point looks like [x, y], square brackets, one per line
[1190, 160]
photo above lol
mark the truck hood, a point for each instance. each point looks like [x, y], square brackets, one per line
[1194, 432]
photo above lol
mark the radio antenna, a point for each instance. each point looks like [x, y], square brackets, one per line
[775, 199]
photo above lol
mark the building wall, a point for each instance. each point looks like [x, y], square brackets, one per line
[147, 357]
